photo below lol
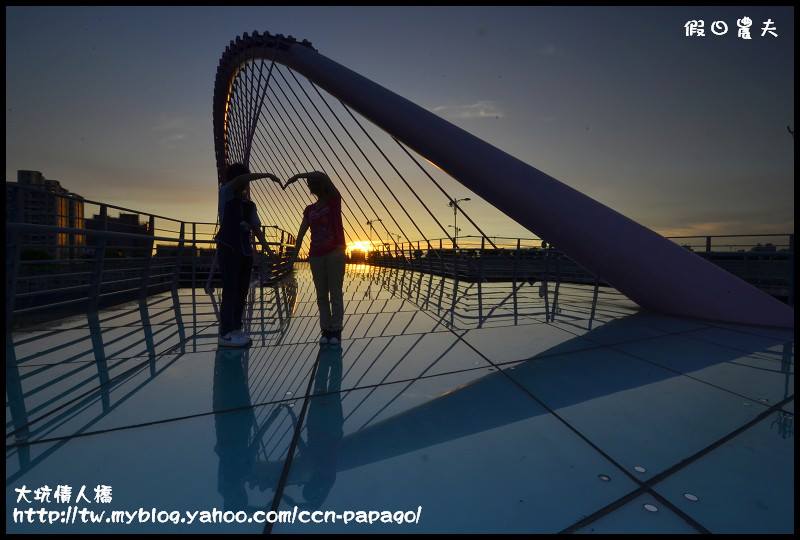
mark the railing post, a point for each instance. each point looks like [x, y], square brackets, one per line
[708, 244]
[455, 296]
[194, 257]
[430, 285]
[594, 300]
[144, 286]
[441, 293]
[558, 284]
[480, 284]
[178, 260]
[12, 272]
[99, 257]
[791, 269]
[545, 285]
[441, 260]
[514, 274]
[419, 286]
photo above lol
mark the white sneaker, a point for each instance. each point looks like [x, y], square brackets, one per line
[231, 339]
[243, 335]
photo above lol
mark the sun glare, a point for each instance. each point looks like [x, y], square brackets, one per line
[359, 245]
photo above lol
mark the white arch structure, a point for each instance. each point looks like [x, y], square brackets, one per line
[654, 272]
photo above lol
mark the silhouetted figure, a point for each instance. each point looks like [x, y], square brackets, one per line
[327, 252]
[238, 219]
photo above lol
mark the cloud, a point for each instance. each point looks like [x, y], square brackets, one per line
[173, 137]
[170, 130]
[481, 109]
[166, 124]
[712, 228]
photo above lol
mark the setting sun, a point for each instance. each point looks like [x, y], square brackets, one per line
[359, 245]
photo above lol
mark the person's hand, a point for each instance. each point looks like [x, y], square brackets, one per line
[291, 180]
[273, 178]
[309, 175]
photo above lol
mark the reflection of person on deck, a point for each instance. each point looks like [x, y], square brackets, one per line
[238, 434]
[315, 464]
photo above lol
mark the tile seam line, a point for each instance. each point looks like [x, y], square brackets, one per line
[648, 486]
[680, 513]
[234, 409]
[287, 465]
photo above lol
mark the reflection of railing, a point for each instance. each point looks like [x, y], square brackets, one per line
[118, 354]
[116, 266]
[463, 305]
[766, 261]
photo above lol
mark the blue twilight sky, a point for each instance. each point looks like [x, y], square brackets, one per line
[684, 135]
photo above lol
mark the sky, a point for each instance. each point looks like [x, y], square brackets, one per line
[684, 135]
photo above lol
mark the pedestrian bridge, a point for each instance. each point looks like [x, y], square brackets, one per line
[495, 410]
[501, 384]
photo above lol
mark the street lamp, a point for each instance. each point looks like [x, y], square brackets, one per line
[454, 205]
[455, 238]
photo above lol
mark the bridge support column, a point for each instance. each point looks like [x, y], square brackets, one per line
[654, 272]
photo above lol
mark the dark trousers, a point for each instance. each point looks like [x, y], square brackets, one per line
[235, 269]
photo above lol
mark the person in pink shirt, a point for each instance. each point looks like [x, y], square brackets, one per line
[327, 252]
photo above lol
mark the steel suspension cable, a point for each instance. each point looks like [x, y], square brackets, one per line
[403, 147]
[352, 139]
[297, 145]
[389, 161]
[286, 158]
[336, 155]
[257, 114]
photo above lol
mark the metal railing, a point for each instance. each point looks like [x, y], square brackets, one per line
[59, 261]
[730, 243]
[117, 267]
[764, 260]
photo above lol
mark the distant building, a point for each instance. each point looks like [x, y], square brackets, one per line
[38, 200]
[767, 248]
[121, 247]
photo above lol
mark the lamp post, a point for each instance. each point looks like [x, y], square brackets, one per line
[454, 205]
[455, 238]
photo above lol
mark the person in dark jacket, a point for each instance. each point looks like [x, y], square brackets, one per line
[238, 219]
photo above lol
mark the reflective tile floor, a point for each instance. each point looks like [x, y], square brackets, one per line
[494, 407]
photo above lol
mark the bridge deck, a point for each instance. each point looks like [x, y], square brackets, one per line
[496, 410]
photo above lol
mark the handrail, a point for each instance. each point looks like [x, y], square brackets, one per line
[115, 234]
[38, 285]
[80, 198]
[446, 243]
